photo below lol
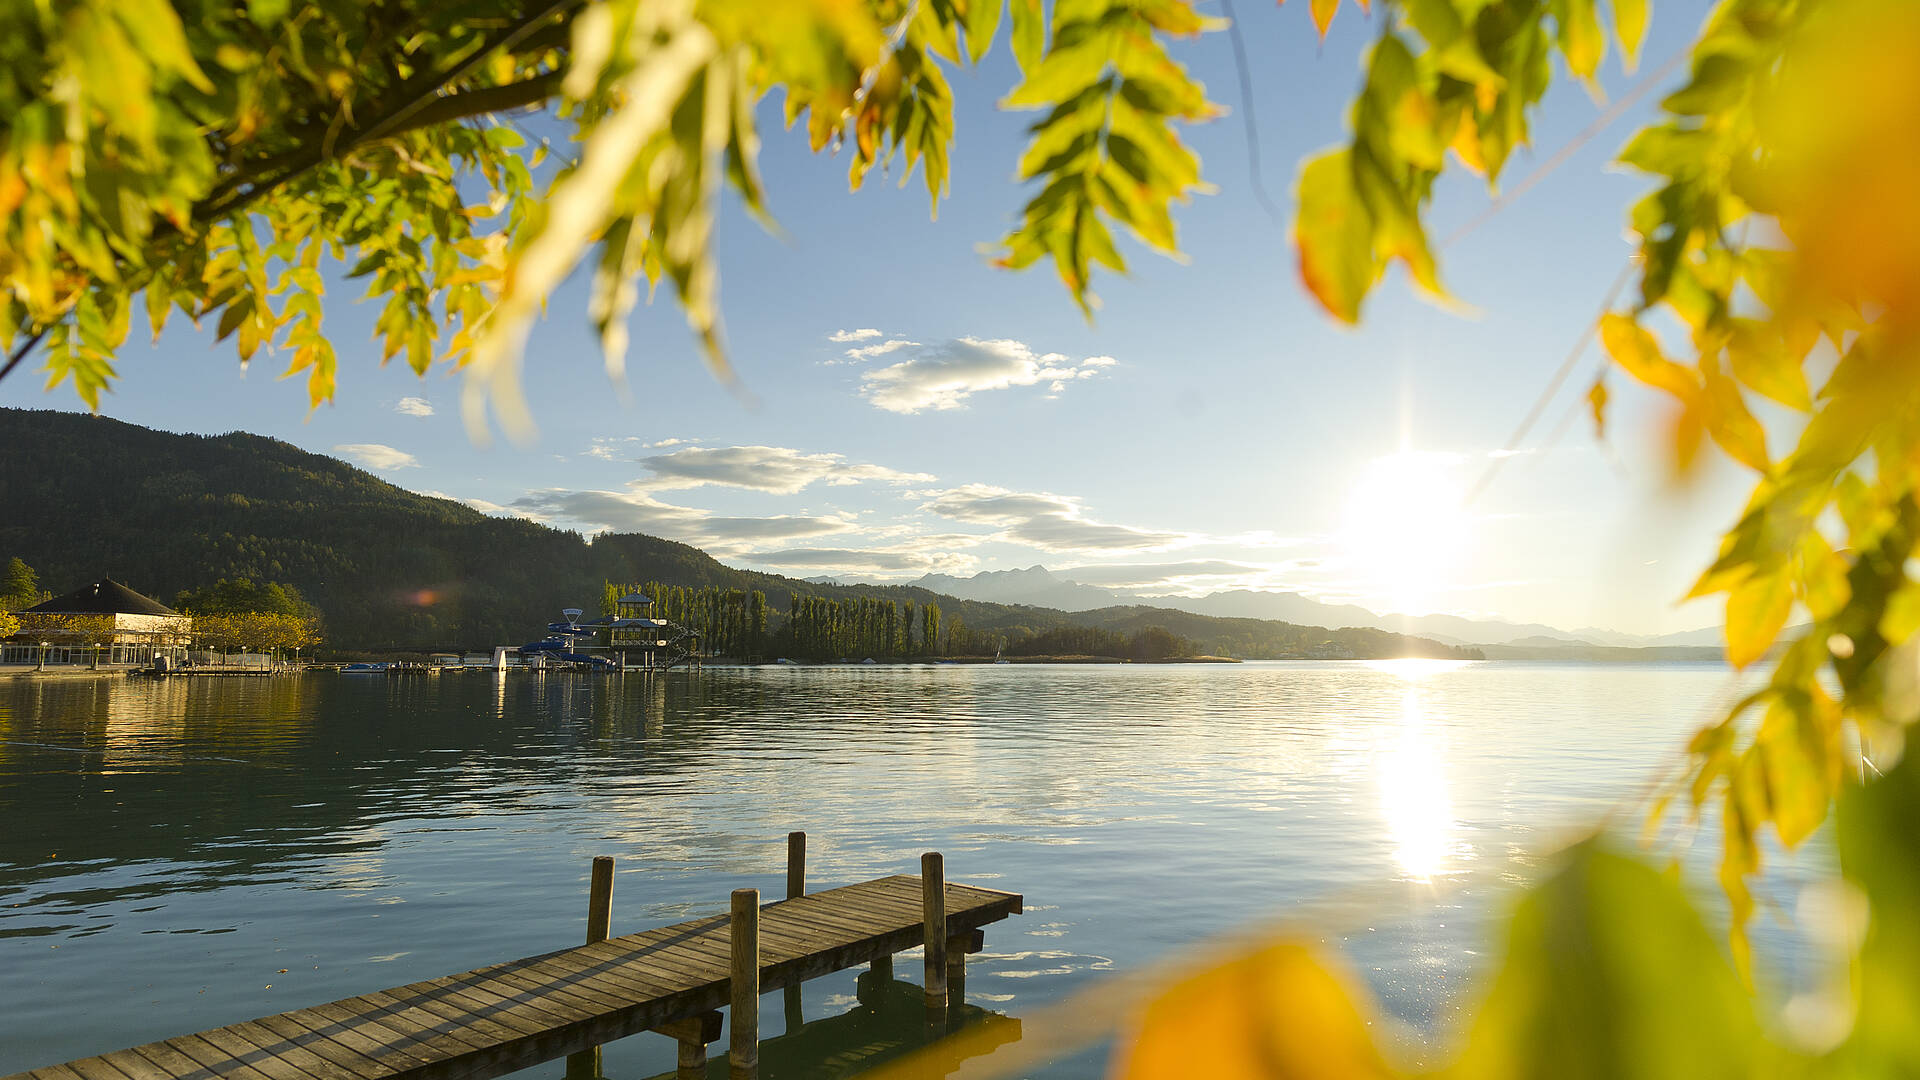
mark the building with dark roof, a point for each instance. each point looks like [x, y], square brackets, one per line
[104, 622]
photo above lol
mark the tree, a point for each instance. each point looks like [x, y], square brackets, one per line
[19, 585]
[219, 161]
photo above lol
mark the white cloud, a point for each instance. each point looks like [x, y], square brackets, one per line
[944, 376]
[775, 469]
[863, 334]
[481, 505]
[892, 562]
[1044, 521]
[636, 511]
[860, 354]
[376, 456]
[414, 406]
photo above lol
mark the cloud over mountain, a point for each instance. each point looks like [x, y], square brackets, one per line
[945, 376]
[1044, 521]
[637, 511]
[376, 456]
[774, 469]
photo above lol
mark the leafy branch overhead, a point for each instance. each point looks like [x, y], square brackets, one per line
[225, 161]
[1778, 262]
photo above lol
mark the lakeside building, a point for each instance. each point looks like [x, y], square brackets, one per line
[105, 622]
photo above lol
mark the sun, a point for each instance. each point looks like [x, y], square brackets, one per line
[1406, 532]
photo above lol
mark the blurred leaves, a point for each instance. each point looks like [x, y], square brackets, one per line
[1279, 1011]
[227, 161]
[1607, 971]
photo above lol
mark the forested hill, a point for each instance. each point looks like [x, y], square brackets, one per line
[83, 497]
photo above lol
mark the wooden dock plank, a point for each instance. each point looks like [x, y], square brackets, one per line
[503, 1017]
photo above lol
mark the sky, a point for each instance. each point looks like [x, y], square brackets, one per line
[908, 408]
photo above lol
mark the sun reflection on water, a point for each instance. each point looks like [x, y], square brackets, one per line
[1413, 795]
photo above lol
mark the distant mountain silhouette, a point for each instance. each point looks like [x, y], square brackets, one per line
[87, 496]
[1040, 587]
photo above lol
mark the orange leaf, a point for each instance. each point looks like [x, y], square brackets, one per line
[1277, 1013]
[1323, 11]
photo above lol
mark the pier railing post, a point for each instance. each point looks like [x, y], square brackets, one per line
[743, 1025]
[796, 864]
[796, 887]
[933, 894]
[585, 1065]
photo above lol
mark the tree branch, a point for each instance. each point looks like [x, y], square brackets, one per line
[21, 353]
[413, 97]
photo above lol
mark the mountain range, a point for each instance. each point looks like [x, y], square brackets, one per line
[1037, 586]
[84, 497]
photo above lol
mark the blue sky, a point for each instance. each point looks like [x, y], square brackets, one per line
[1209, 429]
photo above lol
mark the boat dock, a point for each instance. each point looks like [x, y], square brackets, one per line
[672, 980]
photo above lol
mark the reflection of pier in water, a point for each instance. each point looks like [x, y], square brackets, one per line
[890, 1020]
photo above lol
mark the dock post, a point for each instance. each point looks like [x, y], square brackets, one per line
[796, 886]
[933, 894]
[743, 1025]
[796, 864]
[585, 1065]
[957, 970]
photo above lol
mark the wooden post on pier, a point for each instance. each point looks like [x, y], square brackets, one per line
[585, 1065]
[796, 864]
[796, 887]
[743, 1024]
[933, 895]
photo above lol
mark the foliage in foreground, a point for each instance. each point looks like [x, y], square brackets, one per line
[1605, 970]
[1782, 246]
[222, 159]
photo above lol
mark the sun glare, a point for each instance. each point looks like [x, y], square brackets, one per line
[1414, 802]
[1406, 532]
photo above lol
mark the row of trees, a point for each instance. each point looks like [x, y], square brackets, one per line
[236, 614]
[1148, 643]
[730, 622]
[821, 629]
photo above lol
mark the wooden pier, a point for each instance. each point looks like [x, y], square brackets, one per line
[672, 980]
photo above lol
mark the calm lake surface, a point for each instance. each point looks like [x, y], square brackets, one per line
[167, 847]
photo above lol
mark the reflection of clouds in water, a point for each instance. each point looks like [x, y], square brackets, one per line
[1063, 963]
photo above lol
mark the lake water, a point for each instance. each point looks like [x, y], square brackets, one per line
[180, 854]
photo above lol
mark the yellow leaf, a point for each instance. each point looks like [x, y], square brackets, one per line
[1756, 610]
[1901, 616]
[1635, 350]
[1732, 426]
[1630, 26]
[1793, 758]
[1279, 1012]
[1597, 401]
[1334, 233]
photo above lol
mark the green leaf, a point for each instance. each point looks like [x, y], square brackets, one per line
[1880, 855]
[1577, 23]
[1610, 973]
[982, 21]
[1334, 232]
[1757, 609]
[1064, 73]
[1029, 32]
